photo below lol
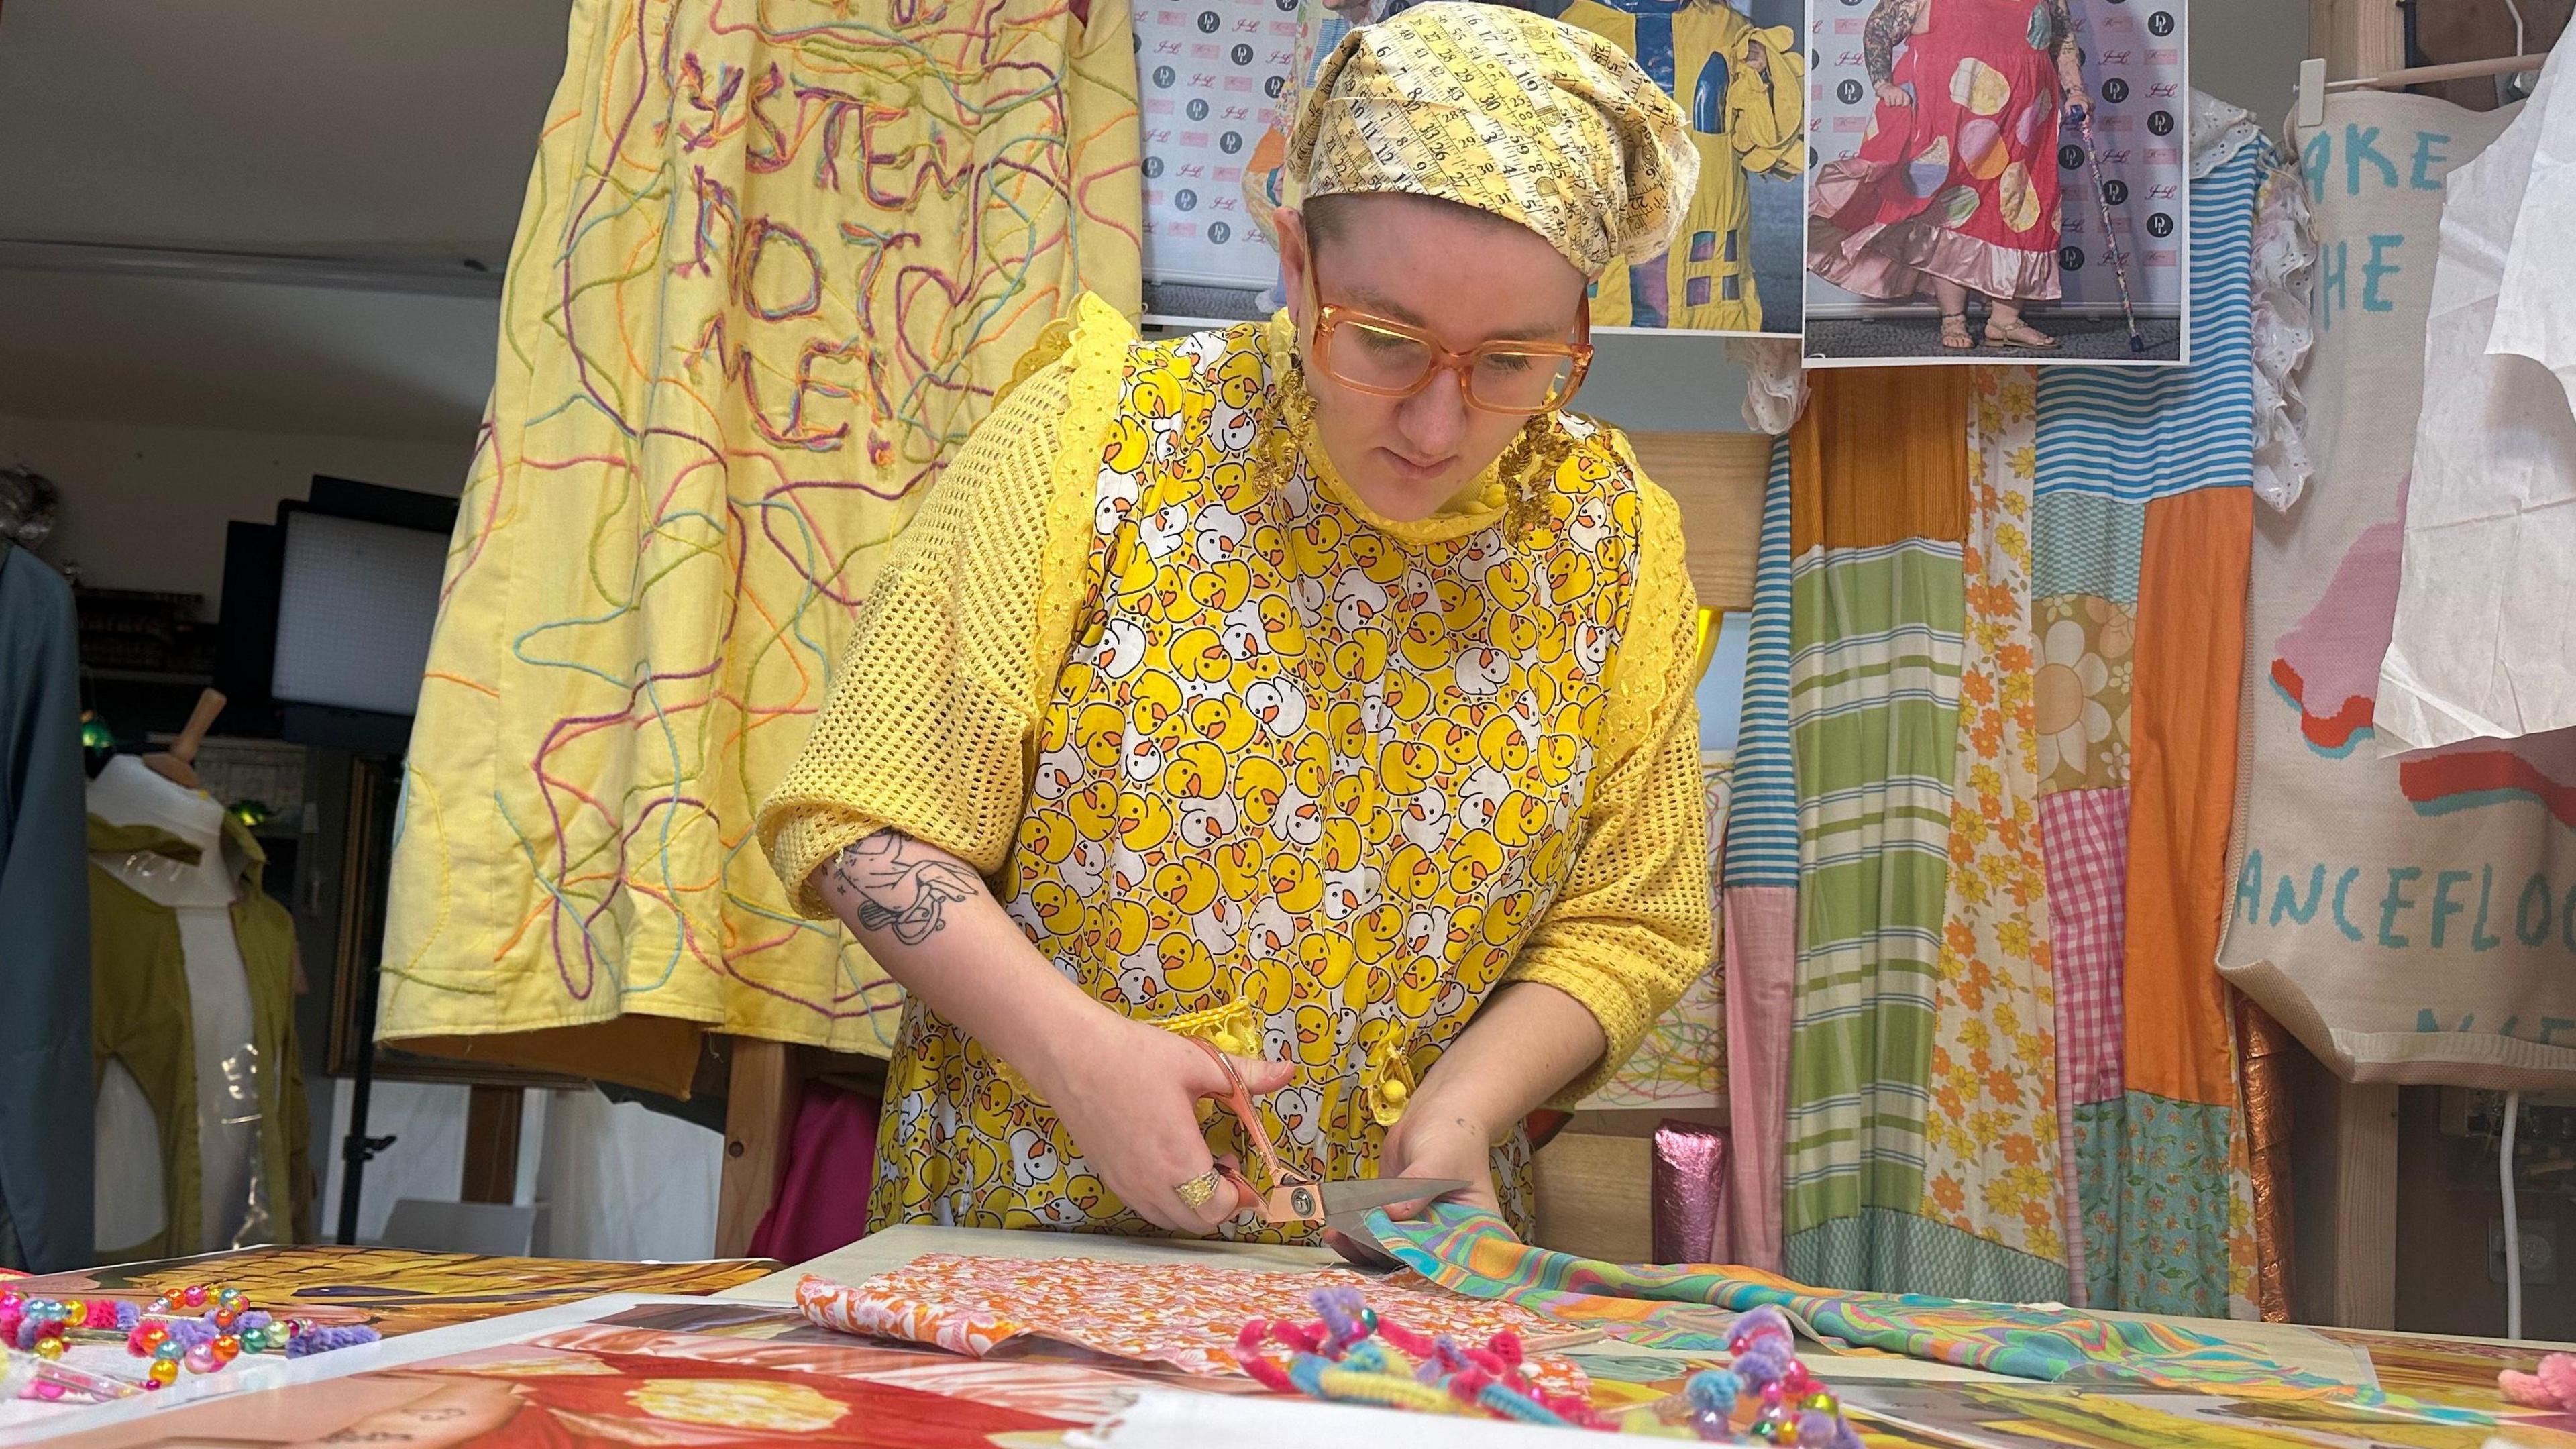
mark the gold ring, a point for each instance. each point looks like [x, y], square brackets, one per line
[1199, 1191]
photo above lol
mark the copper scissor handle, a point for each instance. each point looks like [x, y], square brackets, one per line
[1294, 1199]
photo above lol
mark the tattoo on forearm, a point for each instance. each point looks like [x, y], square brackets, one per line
[902, 887]
[2062, 44]
[1887, 28]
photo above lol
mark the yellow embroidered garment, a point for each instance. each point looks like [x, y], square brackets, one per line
[1743, 122]
[1245, 759]
[1507, 112]
[774, 263]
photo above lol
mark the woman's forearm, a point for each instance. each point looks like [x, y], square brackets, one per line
[1520, 1051]
[932, 923]
[1888, 27]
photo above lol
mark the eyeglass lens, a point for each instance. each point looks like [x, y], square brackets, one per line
[1502, 379]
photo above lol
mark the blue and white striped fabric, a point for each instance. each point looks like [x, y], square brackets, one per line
[2136, 434]
[1762, 824]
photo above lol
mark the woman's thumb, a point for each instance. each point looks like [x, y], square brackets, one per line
[1261, 1075]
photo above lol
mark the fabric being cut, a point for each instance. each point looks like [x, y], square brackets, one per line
[1684, 1306]
[1183, 1315]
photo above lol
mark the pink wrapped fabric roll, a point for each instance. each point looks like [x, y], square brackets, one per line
[1690, 1193]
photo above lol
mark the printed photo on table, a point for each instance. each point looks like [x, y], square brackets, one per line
[1222, 80]
[1998, 180]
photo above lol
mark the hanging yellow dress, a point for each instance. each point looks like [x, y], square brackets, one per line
[774, 263]
[1742, 124]
[1246, 759]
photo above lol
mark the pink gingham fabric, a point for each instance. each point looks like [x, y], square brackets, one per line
[2085, 836]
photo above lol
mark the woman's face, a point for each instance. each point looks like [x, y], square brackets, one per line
[1462, 276]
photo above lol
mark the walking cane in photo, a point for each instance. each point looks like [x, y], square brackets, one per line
[2110, 238]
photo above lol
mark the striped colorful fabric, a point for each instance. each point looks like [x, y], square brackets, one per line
[1874, 707]
[2136, 435]
[2084, 543]
[1762, 831]
[1470, 1251]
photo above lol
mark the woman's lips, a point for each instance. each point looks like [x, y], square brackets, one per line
[1412, 471]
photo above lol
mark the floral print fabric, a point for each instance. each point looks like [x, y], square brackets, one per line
[2080, 691]
[1185, 1315]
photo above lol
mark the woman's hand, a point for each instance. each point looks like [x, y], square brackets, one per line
[1128, 1094]
[1436, 1141]
[1892, 94]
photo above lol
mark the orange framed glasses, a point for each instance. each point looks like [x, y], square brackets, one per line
[1385, 358]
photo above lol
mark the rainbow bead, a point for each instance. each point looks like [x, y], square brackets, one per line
[49, 1349]
[225, 1317]
[227, 1348]
[202, 1360]
[194, 1295]
[229, 1298]
[168, 1350]
[163, 1371]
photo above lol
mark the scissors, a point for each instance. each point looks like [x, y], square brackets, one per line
[1342, 1207]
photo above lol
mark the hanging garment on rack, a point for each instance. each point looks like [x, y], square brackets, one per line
[44, 901]
[2407, 918]
[1877, 517]
[193, 972]
[1760, 934]
[773, 266]
[2481, 642]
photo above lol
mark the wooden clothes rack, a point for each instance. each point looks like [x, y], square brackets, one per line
[2345, 1147]
[2361, 45]
[1593, 1179]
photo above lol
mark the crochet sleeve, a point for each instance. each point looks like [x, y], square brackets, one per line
[1631, 929]
[954, 653]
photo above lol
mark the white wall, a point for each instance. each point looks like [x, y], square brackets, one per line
[2248, 51]
[145, 507]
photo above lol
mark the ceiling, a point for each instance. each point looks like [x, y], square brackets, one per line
[312, 126]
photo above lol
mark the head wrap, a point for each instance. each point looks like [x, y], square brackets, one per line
[1508, 112]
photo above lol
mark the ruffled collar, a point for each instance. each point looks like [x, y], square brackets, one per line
[1479, 505]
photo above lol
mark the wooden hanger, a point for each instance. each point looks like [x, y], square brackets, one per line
[178, 765]
[2314, 87]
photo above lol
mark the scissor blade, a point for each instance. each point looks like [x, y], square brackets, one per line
[1347, 1206]
[1356, 1197]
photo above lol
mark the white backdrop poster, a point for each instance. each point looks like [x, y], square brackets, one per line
[2134, 61]
[1213, 75]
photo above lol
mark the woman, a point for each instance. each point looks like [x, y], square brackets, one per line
[1312, 689]
[1956, 183]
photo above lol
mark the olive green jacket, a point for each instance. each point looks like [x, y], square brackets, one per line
[140, 1014]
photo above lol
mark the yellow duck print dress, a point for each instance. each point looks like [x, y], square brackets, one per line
[1248, 761]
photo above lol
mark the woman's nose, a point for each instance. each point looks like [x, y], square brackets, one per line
[1434, 420]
